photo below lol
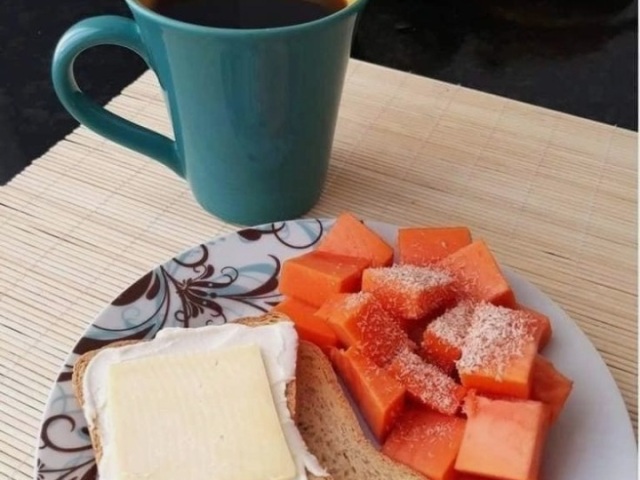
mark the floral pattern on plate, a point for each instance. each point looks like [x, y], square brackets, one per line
[227, 278]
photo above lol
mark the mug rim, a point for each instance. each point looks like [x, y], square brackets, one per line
[137, 7]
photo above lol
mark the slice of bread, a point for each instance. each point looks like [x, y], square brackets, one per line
[80, 368]
[320, 409]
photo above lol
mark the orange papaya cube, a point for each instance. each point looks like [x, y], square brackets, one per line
[379, 396]
[478, 276]
[444, 337]
[409, 292]
[426, 383]
[309, 327]
[343, 312]
[313, 277]
[502, 438]
[424, 246]
[349, 236]
[359, 320]
[544, 326]
[381, 336]
[498, 352]
[426, 441]
[550, 386]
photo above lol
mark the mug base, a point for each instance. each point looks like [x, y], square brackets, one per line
[261, 214]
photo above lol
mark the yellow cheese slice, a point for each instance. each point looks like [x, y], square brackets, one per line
[199, 416]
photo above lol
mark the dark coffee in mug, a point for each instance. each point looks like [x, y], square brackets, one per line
[245, 14]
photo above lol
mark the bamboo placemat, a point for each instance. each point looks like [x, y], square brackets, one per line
[554, 195]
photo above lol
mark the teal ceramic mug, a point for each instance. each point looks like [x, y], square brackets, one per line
[253, 110]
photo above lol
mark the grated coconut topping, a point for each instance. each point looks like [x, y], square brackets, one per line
[411, 277]
[427, 382]
[412, 431]
[357, 300]
[453, 325]
[497, 335]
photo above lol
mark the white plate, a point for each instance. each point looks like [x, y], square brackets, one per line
[236, 275]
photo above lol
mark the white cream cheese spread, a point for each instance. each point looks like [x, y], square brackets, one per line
[155, 377]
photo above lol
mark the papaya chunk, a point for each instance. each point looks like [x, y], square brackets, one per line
[498, 352]
[349, 236]
[426, 441]
[426, 383]
[379, 396]
[343, 312]
[502, 438]
[313, 277]
[550, 386]
[478, 276]
[424, 246]
[444, 337]
[409, 292]
[309, 327]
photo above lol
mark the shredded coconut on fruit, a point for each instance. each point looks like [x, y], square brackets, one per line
[497, 335]
[453, 325]
[413, 278]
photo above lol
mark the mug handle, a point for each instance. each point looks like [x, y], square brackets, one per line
[107, 30]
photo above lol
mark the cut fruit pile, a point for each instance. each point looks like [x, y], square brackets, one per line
[443, 363]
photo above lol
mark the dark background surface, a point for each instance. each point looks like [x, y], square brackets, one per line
[578, 57]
